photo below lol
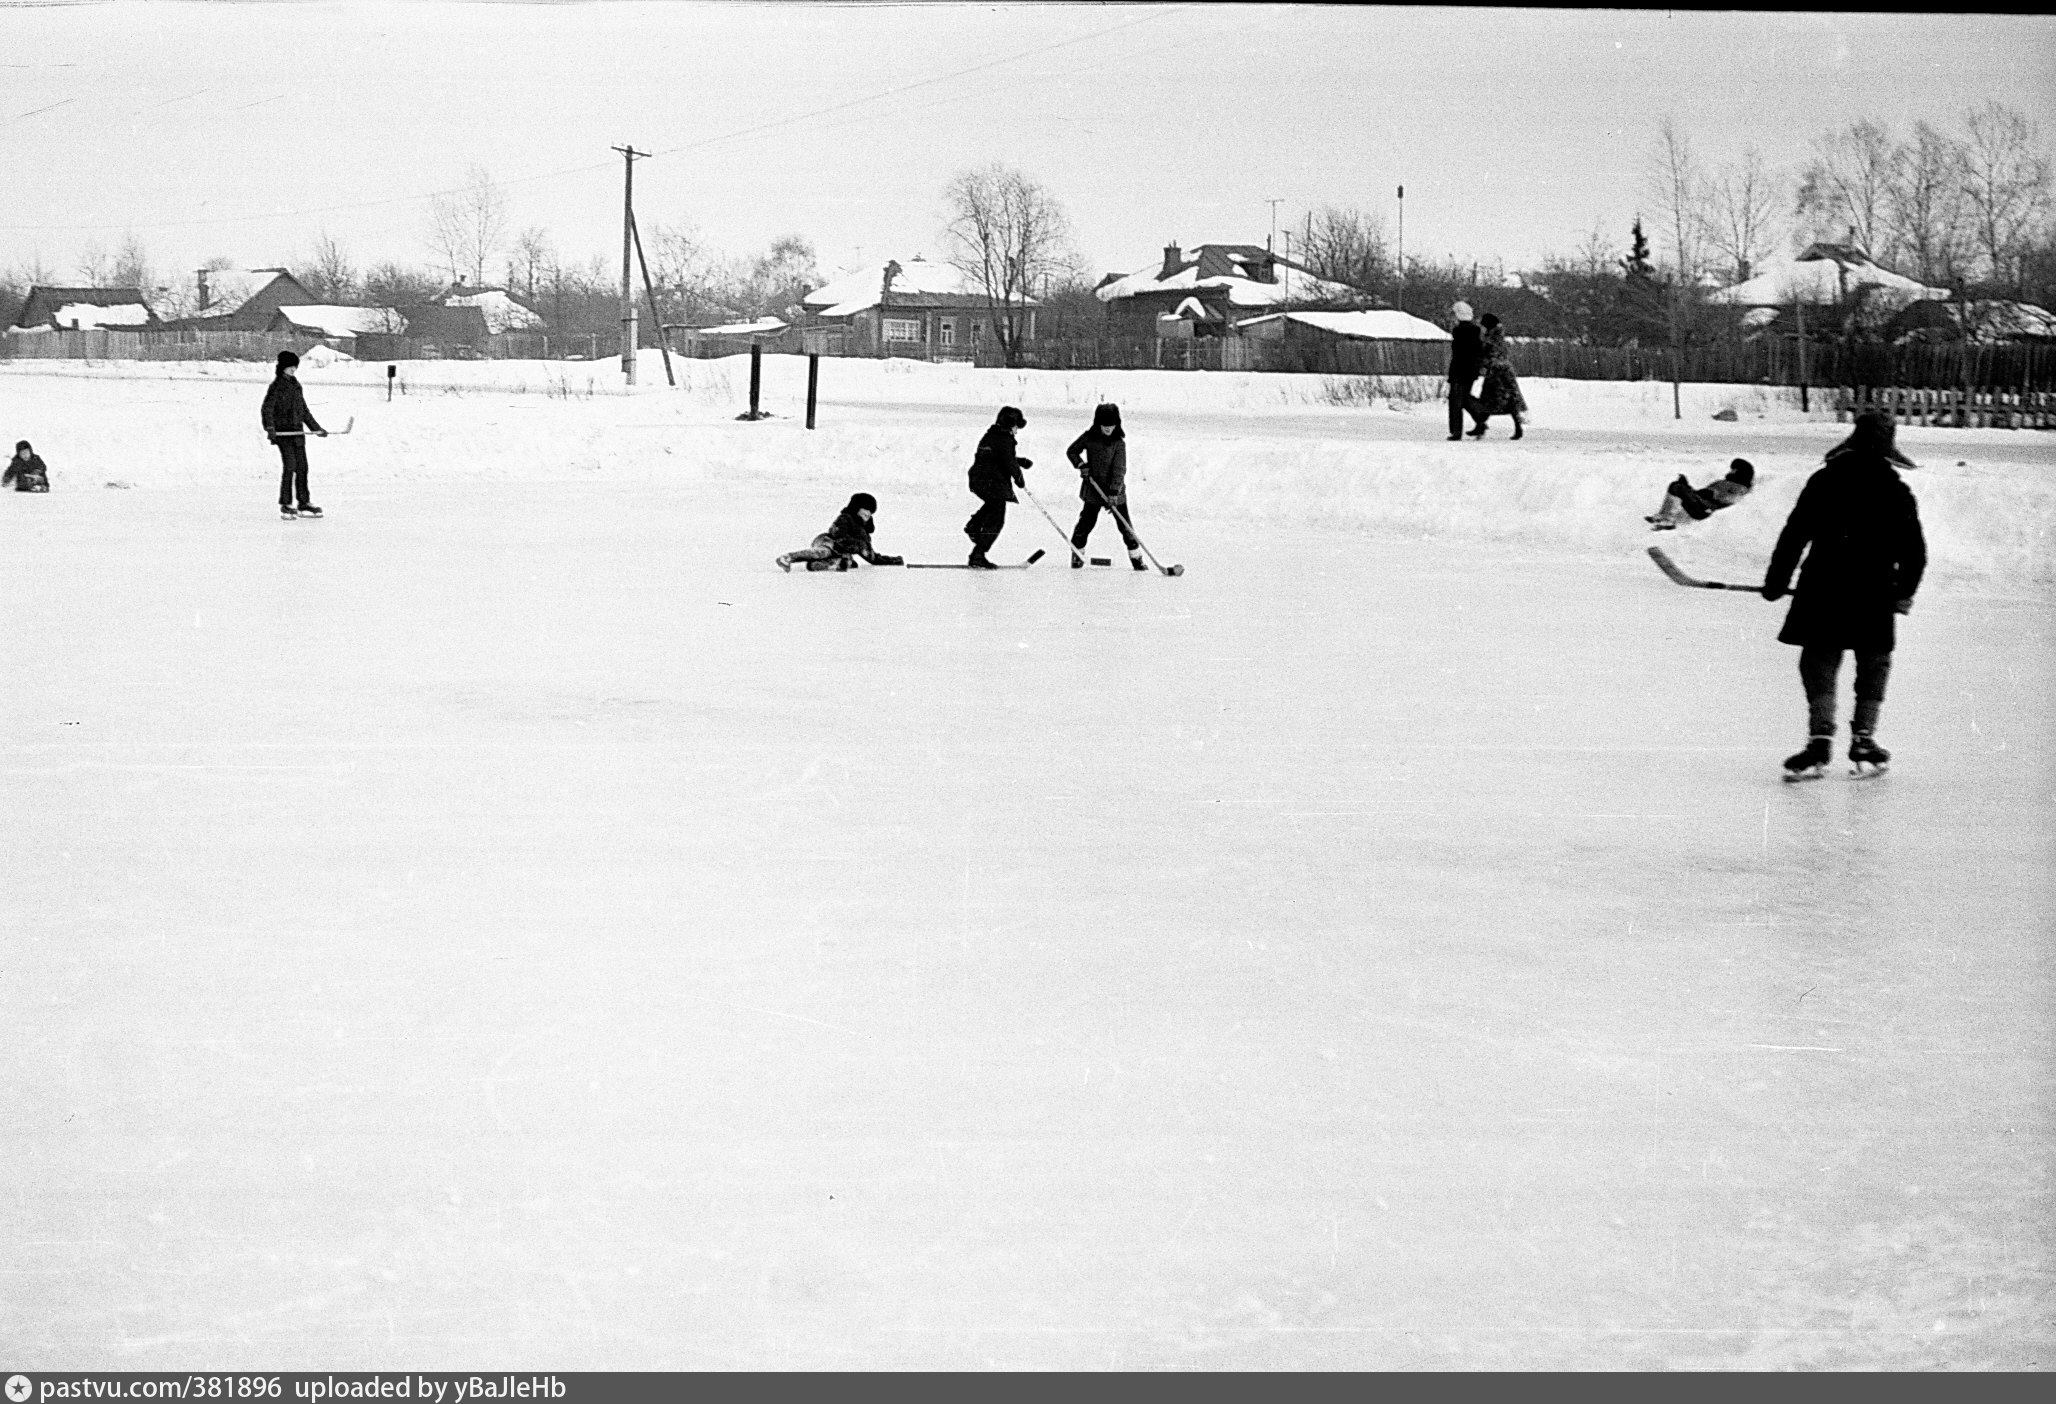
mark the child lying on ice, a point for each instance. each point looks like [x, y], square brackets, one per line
[847, 541]
[1683, 500]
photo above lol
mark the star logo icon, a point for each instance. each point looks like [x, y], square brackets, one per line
[18, 1389]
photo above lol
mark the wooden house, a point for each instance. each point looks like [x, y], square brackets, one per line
[84, 309]
[916, 308]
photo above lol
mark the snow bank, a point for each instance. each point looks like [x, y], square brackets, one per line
[1258, 450]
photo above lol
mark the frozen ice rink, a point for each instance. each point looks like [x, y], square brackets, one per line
[509, 922]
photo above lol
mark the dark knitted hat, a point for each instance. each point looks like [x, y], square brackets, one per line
[1742, 471]
[1107, 414]
[22, 445]
[862, 502]
[1011, 418]
[287, 359]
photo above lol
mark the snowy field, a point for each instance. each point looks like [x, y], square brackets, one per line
[511, 923]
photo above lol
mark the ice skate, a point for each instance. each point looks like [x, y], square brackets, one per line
[1811, 763]
[1865, 752]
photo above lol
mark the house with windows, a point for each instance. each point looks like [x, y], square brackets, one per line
[1208, 290]
[83, 309]
[503, 311]
[243, 299]
[915, 308]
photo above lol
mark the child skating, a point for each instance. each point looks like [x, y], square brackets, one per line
[847, 540]
[288, 422]
[1100, 455]
[995, 473]
[1859, 527]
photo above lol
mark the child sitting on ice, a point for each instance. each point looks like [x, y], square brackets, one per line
[26, 471]
[847, 541]
[1683, 500]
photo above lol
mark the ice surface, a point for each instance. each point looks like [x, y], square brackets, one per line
[510, 921]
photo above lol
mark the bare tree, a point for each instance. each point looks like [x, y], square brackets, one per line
[2006, 185]
[1346, 245]
[1741, 210]
[130, 267]
[95, 266]
[533, 256]
[330, 275]
[467, 225]
[388, 284]
[1009, 235]
[1842, 190]
[693, 282]
[1924, 207]
[781, 276]
[1677, 188]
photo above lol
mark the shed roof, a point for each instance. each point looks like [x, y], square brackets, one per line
[87, 307]
[1385, 324]
[1228, 266]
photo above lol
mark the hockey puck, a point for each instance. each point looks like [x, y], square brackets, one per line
[1102, 560]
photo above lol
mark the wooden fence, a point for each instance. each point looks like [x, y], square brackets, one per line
[1954, 408]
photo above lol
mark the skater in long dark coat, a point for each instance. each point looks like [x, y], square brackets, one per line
[1100, 455]
[847, 540]
[1858, 525]
[1501, 391]
[995, 473]
[1466, 359]
[26, 471]
[285, 409]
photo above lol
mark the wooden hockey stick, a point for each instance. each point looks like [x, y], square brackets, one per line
[302, 433]
[1668, 567]
[1168, 570]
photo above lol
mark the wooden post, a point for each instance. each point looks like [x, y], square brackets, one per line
[813, 381]
[628, 336]
[1800, 307]
[656, 317]
[756, 375]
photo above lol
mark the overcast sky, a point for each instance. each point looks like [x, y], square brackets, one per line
[246, 130]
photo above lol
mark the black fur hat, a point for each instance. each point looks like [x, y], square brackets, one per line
[1107, 414]
[862, 502]
[1742, 471]
[1011, 418]
[286, 359]
[1874, 432]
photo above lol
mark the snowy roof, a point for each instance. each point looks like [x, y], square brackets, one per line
[332, 320]
[86, 316]
[1380, 325]
[1992, 319]
[502, 312]
[230, 288]
[1228, 266]
[87, 307]
[858, 291]
[1820, 281]
[763, 326]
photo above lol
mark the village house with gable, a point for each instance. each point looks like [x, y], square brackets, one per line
[83, 309]
[1206, 291]
[916, 308]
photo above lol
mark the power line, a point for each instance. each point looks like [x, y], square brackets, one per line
[1014, 57]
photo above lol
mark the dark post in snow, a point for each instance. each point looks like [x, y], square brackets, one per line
[663, 336]
[756, 375]
[391, 371]
[1402, 248]
[813, 381]
[628, 155]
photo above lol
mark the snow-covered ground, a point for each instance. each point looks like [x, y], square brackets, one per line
[511, 922]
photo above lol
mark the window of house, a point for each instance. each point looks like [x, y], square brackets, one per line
[900, 329]
[949, 331]
[977, 332]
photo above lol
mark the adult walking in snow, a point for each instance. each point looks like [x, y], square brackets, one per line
[1466, 358]
[847, 540]
[1501, 391]
[995, 473]
[288, 421]
[26, 471]
[1859, 528]
[1100, 455]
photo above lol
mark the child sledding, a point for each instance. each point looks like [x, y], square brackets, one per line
[1684, 502]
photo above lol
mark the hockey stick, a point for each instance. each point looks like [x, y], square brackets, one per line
[952, 565]
[1665, 564]
[1076, 554]
[302, 433]
[1168, 570]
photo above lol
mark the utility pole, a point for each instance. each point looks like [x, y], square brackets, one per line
[1402, 248]
[628, 337]
[1271, 245]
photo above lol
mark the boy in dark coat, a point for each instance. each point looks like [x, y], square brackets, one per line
[285, 411]
[1100, 455]
[1466, 359]
[995, 473]
[26, 471]
[847, 540]
[1859, 527]
[1682, 500]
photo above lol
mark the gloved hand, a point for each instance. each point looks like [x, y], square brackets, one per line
[1902, 606]
[1025, 462]
[1773, 592]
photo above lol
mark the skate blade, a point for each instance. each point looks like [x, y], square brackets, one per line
[1860, 771]
[1812, 772]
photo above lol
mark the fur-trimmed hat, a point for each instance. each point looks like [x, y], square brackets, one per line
[287, 360]
[1742, 471]
[1461, 311]
[1107, 414]
[862, 502]
[1011, 418]
[1874, 433]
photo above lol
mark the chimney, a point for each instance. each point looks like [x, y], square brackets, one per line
[202, 277]
[1173, 256]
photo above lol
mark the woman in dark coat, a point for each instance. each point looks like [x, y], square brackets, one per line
[1100, 455]
[995, 473]
[1858, 525]
[1500, 392]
